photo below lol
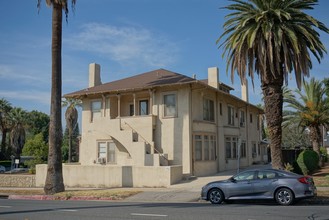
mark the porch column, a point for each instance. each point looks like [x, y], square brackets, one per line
[104, 105]
[134, 95]
[119, 105]
[151, 102]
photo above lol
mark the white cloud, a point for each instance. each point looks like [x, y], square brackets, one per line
[17, 73]
[126, 45]
[27, 96]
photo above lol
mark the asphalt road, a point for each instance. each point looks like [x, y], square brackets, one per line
[83, 210]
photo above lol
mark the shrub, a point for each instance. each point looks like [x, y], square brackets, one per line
[308, 161]
[324, 153]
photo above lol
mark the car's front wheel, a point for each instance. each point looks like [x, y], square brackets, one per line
[284, 196]
[216, 196]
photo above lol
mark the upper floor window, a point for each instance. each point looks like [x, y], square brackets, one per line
[170, 107]
[96, 107]
[242, 119]
[131, 110]
[250, 118]
[143, 107]
[230, 116]
[220, 109]
[208, 110]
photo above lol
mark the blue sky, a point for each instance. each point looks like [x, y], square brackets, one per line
[126, 37]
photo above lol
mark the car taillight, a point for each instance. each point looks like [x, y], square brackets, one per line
[304, 180]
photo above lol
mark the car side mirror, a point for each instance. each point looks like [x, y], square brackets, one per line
[233, 180]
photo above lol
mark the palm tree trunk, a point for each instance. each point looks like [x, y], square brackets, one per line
[54, 180]
[70, 148]
[273, 100]
[315, 136]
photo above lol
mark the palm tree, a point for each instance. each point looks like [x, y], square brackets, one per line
[5, 123]
[54, 180]
[17, 134]
[311, 111]
[71, 117]
[272, 38]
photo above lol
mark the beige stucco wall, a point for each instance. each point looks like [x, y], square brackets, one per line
[114, 176]
[173, 134]
[170, 135]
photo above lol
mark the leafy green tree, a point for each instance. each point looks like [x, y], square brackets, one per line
[54, 179]
[74, 145]
[311, 111]
[71, 117]
[37, 148]
[38, 122]
[272, 38]
[293, 136]
[17, 134]
[5, 125]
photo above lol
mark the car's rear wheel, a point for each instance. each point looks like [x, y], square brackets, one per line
[216, 196]
[284, 196]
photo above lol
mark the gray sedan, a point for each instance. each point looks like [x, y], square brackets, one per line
[282, 186]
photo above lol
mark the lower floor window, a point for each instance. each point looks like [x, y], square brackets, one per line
[232, 148]
[254, 150]
[231, 144]
[243, 150]
[205, 147]
[106, 152]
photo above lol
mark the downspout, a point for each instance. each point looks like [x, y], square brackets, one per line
[217, 133]
[247, 134]
[191, 132]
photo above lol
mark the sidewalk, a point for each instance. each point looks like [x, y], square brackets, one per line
[184, 191]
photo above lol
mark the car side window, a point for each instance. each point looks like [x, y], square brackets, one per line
[245, 176]
[266, 175]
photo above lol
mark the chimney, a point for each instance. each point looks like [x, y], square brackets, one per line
[213, 75]
[244, 90]
[94, 75]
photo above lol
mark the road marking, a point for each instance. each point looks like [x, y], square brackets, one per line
[66, 210]
[5, 206]
[150, 215]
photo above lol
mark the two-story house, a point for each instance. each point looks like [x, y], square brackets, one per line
[153, 128]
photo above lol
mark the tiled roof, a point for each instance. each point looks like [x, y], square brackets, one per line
[150, 79]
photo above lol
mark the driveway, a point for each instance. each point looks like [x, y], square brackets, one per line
[184, 191]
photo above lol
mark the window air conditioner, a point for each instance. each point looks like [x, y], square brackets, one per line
[101, 160]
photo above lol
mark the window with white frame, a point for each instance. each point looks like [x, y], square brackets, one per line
[170, 106]
[231, 144]
[143, 107]
[205, 147]
[106, 150]
[131, 109]
[96, 110]
[198, 147]
[230, 116]
[208, 110]
[102, 149]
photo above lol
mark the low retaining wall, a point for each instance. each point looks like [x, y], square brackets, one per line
[101, 176]
[15, 180]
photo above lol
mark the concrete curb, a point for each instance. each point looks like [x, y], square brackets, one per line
[49, 197]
